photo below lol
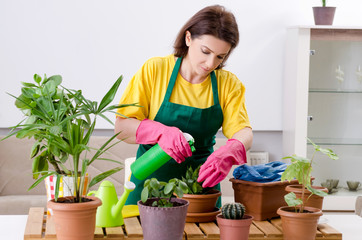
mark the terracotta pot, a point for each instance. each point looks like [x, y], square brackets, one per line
[66, 186]
[324, 15]
[202, 203]
[313, 201]
[75, 221]
[299, 226]
[163, 223]
[234, 229]
[261, 200]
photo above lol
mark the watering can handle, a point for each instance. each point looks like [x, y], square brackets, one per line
[91, 192]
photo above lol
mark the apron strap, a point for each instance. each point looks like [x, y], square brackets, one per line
[172, 81]
[214, 88]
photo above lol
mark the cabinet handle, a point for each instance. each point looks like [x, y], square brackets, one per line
[312, 52]
[310, 118]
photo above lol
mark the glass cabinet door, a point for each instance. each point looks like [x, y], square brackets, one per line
[335, 111]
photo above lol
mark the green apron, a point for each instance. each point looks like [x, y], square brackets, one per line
[202, 124]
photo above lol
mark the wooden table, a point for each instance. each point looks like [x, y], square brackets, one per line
[40, 226]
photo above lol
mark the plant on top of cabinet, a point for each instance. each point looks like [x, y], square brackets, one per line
[324, 15]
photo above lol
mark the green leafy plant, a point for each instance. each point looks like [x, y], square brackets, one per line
[163, 191]
[193, 186]
[62, 120]
[324, 2]
[233, 210]
[301, 169]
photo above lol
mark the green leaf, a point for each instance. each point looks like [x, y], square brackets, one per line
[154, 183]
[37, 78]
[40, 180]
[179, 192]
[108, 98]
[169, 188]
[57, 79]
[292, 200]
[104, 175]
[35, 149]
[317, 191]
[25, 84]
[183, 186]
[144, 195]
[22, 102]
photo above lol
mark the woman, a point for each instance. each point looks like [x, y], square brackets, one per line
[189, 91]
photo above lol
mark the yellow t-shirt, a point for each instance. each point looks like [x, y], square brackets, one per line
[148, 87]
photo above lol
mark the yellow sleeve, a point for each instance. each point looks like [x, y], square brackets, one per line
[137, 91]
[233, 106]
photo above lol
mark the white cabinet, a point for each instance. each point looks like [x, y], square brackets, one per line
[323, 101]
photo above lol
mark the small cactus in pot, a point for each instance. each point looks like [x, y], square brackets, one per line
[233, 211]
[233, 223]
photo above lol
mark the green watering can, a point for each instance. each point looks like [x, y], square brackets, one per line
[109, 214]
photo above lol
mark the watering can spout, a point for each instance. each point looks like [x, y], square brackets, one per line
[117, 209]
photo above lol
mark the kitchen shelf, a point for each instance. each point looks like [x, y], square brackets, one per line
[337, 141]
[334, 91]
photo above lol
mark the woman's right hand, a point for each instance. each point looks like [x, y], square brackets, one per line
[170, 139]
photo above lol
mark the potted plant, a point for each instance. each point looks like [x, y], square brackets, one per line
[324, 15]
[233, 223]
[162, 214]
[202, 200]
[62, 121]
[298, 220]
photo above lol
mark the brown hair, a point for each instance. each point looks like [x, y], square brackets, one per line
[212, 20]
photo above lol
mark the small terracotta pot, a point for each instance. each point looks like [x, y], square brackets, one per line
[163, 223]
[202, 203]
[299, 226]
[324, 15]
[313, 201]
[75, 221]
[234, 229]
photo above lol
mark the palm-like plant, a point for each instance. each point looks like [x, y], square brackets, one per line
[62, 121]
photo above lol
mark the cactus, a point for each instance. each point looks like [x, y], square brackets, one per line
[233, 211]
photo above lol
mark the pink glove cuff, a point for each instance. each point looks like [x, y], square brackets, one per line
[239, 157]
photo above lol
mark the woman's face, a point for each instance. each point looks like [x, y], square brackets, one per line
[205, 53]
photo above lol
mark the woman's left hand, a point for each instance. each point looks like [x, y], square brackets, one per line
[219, 163]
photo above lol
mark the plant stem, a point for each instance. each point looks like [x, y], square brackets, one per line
[54, 163]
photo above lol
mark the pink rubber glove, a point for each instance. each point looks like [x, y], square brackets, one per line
[219, 163]
[170, 139]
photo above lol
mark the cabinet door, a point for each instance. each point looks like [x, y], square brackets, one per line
[323, 101]
[335, 105]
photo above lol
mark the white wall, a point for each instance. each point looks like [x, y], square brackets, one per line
[91, 43]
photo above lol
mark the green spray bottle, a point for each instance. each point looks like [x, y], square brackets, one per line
[153, 159]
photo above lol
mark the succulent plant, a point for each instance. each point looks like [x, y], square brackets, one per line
[233, 211]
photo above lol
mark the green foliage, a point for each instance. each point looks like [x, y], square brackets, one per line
[233, 211]
[193, 186]
[324, 3]
[163, 191]
[301, 170]
[62, 120]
